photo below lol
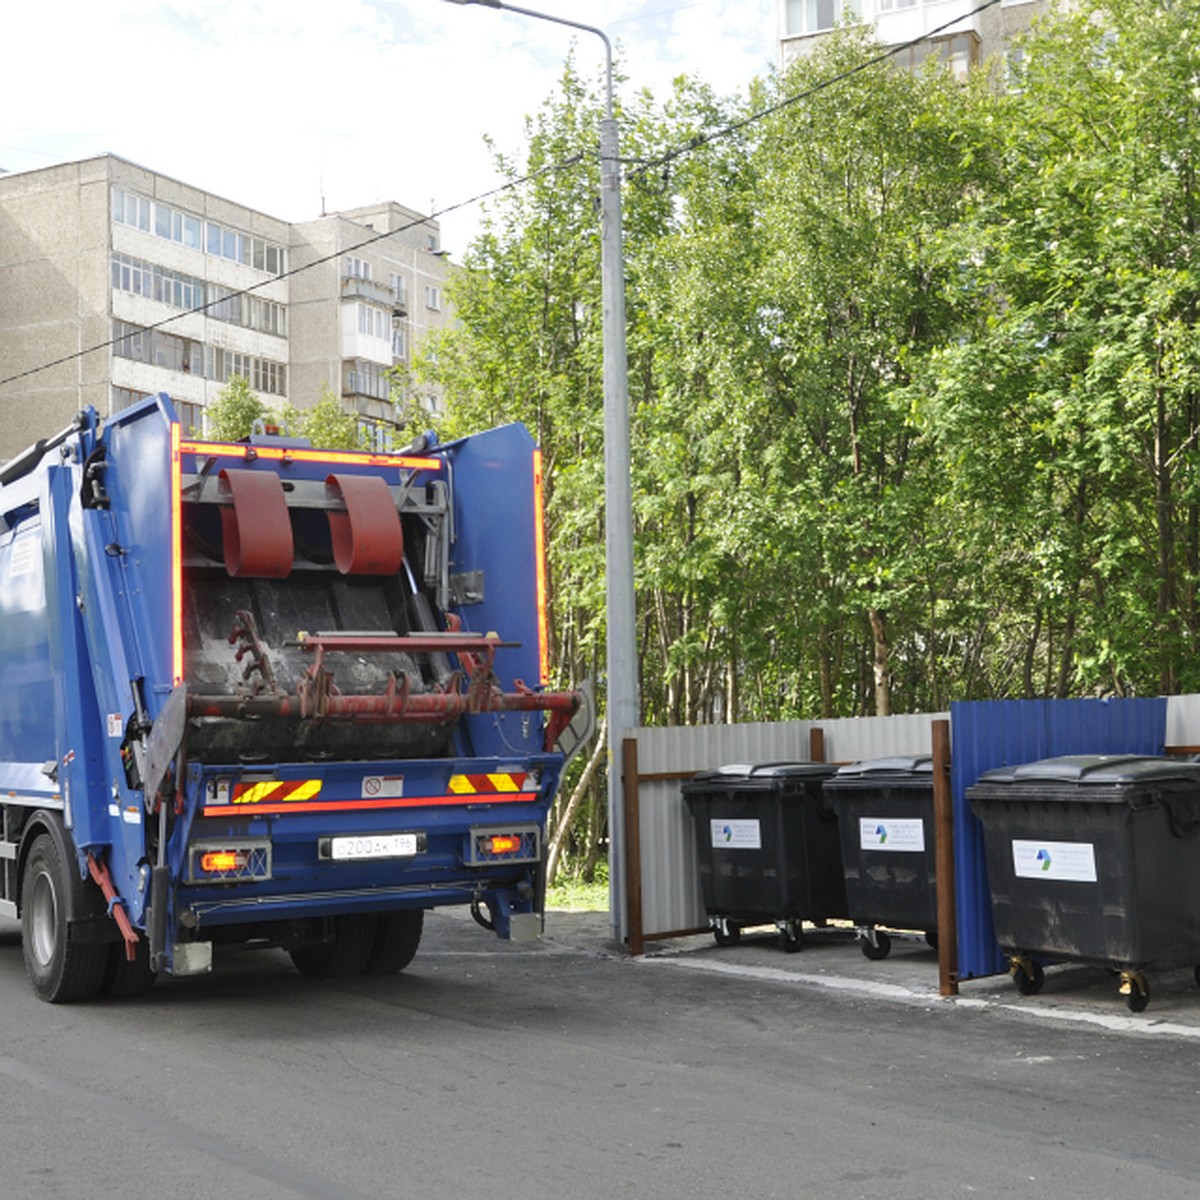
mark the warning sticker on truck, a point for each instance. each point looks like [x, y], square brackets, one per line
[382, 787]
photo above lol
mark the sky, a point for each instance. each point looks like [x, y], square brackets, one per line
[295, 107]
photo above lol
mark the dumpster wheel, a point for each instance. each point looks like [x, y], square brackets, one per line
[1027, 975]
[1135, 989]
[726, 933]
[875, 943]
[791, 935]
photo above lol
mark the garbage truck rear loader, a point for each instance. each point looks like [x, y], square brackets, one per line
[267, 693]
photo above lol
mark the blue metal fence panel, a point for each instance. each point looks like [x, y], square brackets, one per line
[997, 733]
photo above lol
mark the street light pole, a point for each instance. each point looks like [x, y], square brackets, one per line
[622, 689]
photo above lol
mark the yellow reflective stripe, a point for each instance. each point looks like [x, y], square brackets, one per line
[258, 792]
[460, 785]
[503, 783]
[306, 790]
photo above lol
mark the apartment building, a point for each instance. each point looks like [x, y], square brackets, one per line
[117, 282]
[386, 268]
[962, 43]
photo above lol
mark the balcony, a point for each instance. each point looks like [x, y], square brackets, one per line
[354, 288]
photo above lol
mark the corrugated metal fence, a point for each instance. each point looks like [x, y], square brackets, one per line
[984, 735]
[670, 900]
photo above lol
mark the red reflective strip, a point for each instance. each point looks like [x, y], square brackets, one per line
[307, 806]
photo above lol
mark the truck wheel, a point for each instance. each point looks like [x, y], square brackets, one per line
[345, 953]
[60, 969]
[396, 942]
[123, 978]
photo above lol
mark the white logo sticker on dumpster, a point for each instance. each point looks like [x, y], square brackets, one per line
[888, 833]
[736, 835]
[1073, 861]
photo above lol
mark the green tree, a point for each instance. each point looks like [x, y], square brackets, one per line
[1070, 418]
[326, 425]
[232, 414]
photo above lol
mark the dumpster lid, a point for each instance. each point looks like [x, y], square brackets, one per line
[734, 772]
[1083, 769]
[913, 768]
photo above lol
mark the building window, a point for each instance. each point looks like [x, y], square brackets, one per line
[959, 53]
[374, 322]
[362, 378]
[819, 16]
[399, 286]
[175, 225]
[191, 416]
[128, 209]
[399, 343]
[376, 435]
[433, 297]
[896, 5]
[172, 353]
[188, 293]
[357, 268]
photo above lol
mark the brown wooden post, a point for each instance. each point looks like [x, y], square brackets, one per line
[816, 745]
[633, 846]
[943, 822]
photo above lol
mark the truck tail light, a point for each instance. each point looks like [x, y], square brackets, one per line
[506, 844]
[233, 861]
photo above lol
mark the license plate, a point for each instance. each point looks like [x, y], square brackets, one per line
[390, 845]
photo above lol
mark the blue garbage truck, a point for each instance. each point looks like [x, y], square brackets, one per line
[262, 693]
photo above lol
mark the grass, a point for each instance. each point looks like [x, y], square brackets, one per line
[570, 894]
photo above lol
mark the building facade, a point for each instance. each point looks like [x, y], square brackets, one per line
[961, 44]
[117, 282]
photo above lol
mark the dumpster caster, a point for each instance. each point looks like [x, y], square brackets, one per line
[875, 943]
[1135, 990]
[1027, 975]
[726, 933]
[791, 936]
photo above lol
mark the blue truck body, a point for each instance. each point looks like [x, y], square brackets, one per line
[265, 693]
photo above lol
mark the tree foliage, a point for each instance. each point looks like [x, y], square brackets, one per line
[911, 371]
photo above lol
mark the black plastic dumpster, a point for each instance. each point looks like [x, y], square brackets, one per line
[767, 848]
[1094, 859]
[884, 808]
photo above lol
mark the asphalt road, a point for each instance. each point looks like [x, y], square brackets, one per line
[567, 1070]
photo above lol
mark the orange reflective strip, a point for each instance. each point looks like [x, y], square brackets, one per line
[539, 554]
[296, 454]
[176, 558]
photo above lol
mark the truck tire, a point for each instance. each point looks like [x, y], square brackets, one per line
[61, 969]
[345, 952]
[396, 942]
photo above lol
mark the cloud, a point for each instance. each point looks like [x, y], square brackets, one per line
[288, 105]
